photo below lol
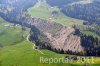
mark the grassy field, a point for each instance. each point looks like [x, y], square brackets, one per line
[23, 54]
[42, 10]
[17, 51]
[91, 33]
[84, 29]
[9, 34]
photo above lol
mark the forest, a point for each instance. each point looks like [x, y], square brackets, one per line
[89, 12]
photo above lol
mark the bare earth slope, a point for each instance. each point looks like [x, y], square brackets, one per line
[56, 35]
[46, 33]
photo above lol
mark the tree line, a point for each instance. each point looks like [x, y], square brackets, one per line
[89, 12]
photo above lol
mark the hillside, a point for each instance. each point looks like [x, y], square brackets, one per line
[87, 10]
[48, 33]
[43, 28]
[45, 11]
[23, 54]
[33, 29]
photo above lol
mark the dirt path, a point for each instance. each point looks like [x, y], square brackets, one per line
[34, 46]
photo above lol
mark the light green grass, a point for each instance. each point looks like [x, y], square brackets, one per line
[84, 29]
[22, 54]
[10, 35]
[91, 33]
[43, 10]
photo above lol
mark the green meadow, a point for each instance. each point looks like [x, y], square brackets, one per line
[44, 11]
[18, 51]
[23, 54]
